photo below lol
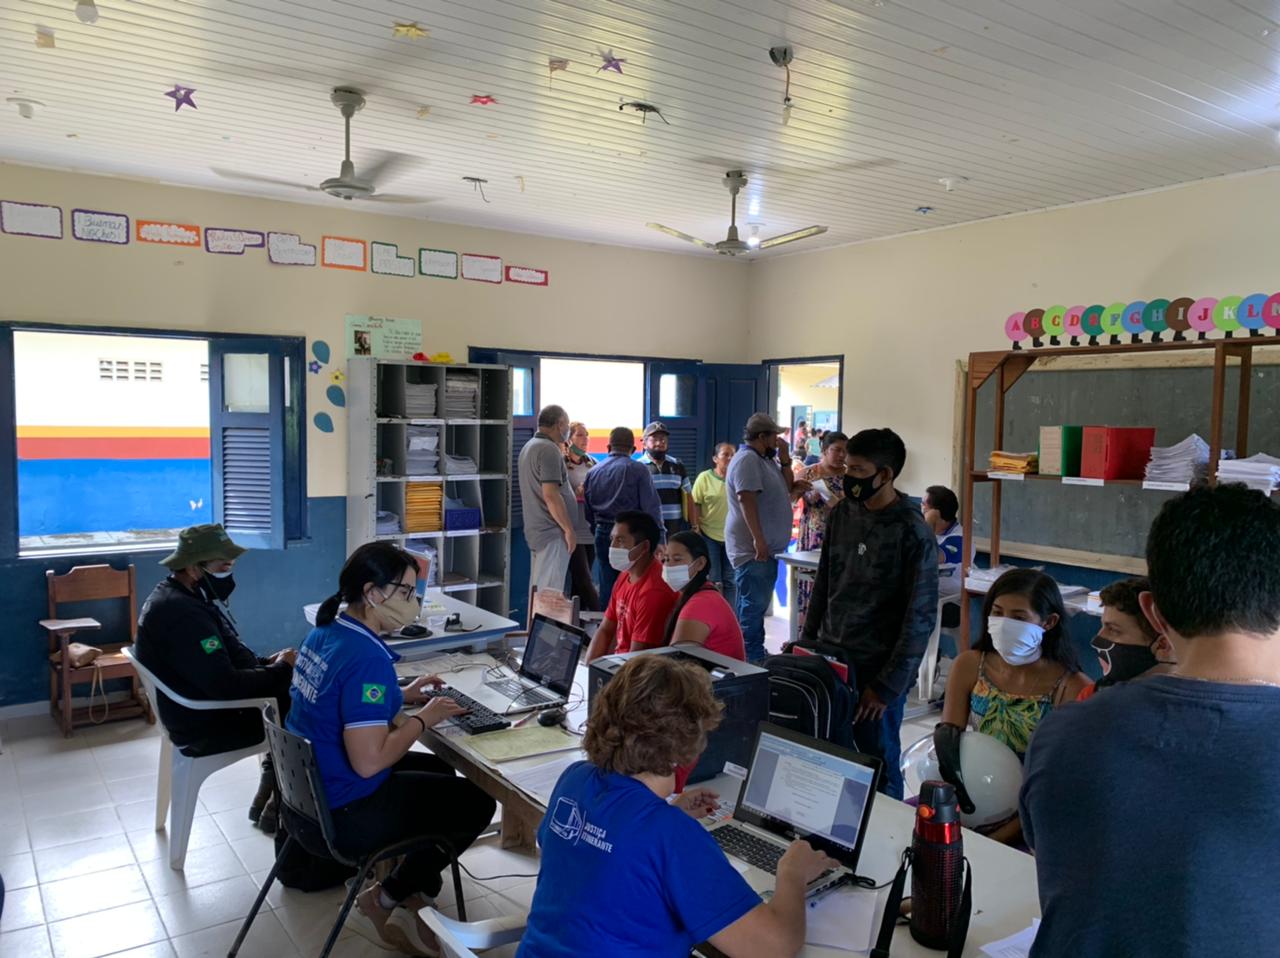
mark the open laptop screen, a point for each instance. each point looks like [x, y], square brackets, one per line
[799, 787]
[551, 653]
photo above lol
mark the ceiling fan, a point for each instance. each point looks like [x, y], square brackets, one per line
[347, 185]
[735, 180]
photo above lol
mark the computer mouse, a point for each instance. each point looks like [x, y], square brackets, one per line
[414, 631]
[552, 717]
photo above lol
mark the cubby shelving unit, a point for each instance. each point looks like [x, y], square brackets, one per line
[470, 533]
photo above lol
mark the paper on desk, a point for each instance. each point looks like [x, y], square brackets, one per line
[540, 780]
[1015, 946]
[513, 743]
[847, 919]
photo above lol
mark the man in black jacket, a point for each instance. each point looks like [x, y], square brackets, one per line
[876, 593]
[188, 638]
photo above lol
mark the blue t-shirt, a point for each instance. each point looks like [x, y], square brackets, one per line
[625, 874]
[345, 677]
[1152, 811]
[951, 545]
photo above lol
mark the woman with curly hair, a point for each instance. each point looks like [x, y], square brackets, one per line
[625, 872]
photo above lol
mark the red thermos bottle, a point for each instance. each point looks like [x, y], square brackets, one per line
[937, 868]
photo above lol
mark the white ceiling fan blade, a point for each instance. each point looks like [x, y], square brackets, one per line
[254, 178]
[679, 235]
[792, 237]
[399, 198]
[384, 167]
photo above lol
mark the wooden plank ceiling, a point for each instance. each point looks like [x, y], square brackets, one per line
[1023, 103]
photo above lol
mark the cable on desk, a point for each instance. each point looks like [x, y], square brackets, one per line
[489, 878]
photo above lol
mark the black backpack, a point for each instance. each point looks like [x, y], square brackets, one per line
[806, 695]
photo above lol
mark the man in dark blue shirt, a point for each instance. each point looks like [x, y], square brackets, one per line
[617, 485]
[1152, 808]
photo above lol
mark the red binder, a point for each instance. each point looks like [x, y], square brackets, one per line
[1116, 452]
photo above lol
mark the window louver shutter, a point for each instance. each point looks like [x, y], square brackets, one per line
[519, 436]
[246, 481]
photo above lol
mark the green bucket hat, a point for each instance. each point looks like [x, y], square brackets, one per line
[206, 543]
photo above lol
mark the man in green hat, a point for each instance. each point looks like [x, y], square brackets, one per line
[188, 638]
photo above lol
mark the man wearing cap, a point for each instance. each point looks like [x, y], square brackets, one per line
[188, 638]
[760, 485]
[675, 492]
[619, 484]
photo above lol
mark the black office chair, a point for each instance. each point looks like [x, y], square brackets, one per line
[306, 816]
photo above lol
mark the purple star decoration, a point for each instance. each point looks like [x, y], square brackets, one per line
[610, 63]
[181, 97]
[314, 366]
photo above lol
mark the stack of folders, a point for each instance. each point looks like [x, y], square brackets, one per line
[1187, 462]
[420, 400]
[423, 502]
[459, 465]
[387, 524]
[422, 455]
[1060, 450]
[462, 395]
[425, 551]
[1261, 472]
[1018, 462]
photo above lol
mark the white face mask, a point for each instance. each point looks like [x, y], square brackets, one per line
[675, 576]
[1017, 642]
[620, 559]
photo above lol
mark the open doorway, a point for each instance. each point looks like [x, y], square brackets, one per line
[807, 393]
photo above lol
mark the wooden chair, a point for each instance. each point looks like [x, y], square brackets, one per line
[91, 583]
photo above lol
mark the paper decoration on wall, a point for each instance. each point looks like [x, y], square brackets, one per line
[287, 249]
[181, 96]
[314, 367]
[483, 99]
[441, 263]
[323, 422]
[232, 242]
[336, 396]
[610, 62]
[31, 219]
[172, 234]
[555, 65]
[337, 377]
[45, 39]
[644, 109]
[320, 350]
[340, 252]
[95, 226]
[482, 269]
[410, 31]
[383, 337]
[385, 259]
[527, 276]
[424, 112]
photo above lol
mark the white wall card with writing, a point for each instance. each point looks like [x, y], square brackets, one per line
[31, 219]
[287, 249]
[483, 269]
[339, 252]
[441, 263]
[385, 259]
[95, 226]
[232, 242]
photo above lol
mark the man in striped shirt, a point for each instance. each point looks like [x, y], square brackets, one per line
[675, 491]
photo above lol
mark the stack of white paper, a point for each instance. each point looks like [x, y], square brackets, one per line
[462, 396]
[1015, 946]
[1260, 472]
[420, 400]
[422, 455]
[459, 465]
[1187, 462]
[387, 523]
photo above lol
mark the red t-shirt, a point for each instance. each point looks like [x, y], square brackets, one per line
[641, 608]
[709, 607]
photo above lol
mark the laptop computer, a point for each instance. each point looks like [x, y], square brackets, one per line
[546, 670]
[801, 787]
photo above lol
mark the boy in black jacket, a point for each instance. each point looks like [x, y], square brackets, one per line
[876, 593]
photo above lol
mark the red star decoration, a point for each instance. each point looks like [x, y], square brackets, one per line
[483, 99]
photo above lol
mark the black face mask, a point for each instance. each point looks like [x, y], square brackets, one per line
[770, 452]
[219, 588]
[860, 490]
[658, 455]
[1123, 662]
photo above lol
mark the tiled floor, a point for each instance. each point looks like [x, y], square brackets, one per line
[88, 876]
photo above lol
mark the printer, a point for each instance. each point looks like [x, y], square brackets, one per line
[743, 688]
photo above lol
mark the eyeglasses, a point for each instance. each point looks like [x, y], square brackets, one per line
[403, 589]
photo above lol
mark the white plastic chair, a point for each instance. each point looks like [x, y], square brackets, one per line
[929, 664]
[462, 939]
[180, 776]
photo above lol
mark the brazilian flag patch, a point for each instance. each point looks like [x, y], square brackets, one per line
[211, 644]
[373, 694]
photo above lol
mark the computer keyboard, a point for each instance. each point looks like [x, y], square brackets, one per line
[518, 692]
[477, 719]
[753, 850]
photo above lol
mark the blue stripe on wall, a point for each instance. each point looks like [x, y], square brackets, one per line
[57, 496]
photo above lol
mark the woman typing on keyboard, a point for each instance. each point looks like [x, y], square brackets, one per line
[627, 873]
[344, 699]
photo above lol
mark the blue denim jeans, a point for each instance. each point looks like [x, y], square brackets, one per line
[754, 581]
[721, 571]
[883, 739]
[608, 575]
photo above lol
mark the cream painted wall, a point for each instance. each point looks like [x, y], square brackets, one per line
[904, 310]
[600, 299]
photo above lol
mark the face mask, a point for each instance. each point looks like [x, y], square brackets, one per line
[620, 559]
[564, 436]
[771, 452]
[580, 453]
[1120, 663]
[860, 490]
[397, 611]
[1017, 642]
[221, 584]
[676, 576]
[657, 455]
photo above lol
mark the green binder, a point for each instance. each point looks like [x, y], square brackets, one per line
[1060, 450]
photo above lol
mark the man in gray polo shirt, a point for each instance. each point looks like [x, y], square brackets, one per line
[760, 486]
[547, 500]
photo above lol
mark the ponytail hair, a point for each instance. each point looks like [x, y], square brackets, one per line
[697, 547]
[379, 563]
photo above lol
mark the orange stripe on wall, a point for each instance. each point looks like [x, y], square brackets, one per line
[104, 447]
[127, 432]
